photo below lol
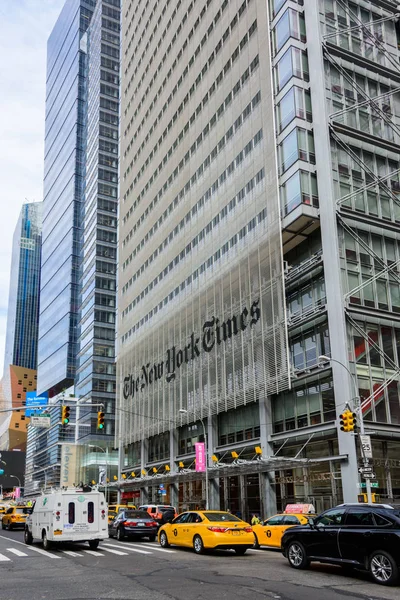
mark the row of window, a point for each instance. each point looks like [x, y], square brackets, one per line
[205, 165]
[185, 130]
[236, 163]
[218, 80]
[219, 217]
[250, 227]
[176, 61]
[243, 43]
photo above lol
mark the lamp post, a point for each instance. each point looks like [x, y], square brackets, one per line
[44, 469]
[106, 457]
[18, 479]
[359, 411]
[184, 411]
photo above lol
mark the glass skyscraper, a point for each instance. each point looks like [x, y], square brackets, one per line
[95, 378]
[64, 171]
[23, 301]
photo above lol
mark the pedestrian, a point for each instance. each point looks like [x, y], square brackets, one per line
[255, 520]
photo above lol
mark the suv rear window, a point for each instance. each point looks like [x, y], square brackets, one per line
[136, 514]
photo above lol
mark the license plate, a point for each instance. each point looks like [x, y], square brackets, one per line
[57, 532]
[140, 524]
[235, 532]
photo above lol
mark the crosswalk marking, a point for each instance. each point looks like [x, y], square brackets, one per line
[147, 546]
[125, 548]
[70, 553]
[113, 551]
[17, 552]
[44, 552]
[4, 558]
[93, 553]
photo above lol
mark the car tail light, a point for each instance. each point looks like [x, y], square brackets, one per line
[248, 529]
[130, 523]
[13, 517]
[58, 514]
[218, 529]
[151, 524]
[103, 514]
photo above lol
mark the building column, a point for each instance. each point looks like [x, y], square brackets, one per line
[330, 248]
[267, 478]
[173, 451]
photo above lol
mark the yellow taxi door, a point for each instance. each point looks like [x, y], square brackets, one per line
[272, 531]
[178, 530]
[191, 528]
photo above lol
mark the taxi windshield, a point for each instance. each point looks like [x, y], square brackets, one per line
[220, 516]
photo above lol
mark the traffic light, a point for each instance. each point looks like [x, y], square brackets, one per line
[65, 415]
[100, 420]
[352, 421]
[348, 421]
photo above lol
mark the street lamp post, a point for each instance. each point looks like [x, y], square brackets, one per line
[106, 457]
[44, 469]
[360, 415]
[18, 479]
[183, 411]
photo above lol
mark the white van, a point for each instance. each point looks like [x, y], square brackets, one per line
[68, 515]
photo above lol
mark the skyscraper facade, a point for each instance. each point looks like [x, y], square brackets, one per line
[64, 171]
[95, 379]
[23, 302]
[258, 250]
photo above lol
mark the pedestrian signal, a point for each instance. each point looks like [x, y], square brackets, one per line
[100, 420]
[65, 415]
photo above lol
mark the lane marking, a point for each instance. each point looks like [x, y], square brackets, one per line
[4, 558]
[114, 551]
[17, 552]
[93, 553]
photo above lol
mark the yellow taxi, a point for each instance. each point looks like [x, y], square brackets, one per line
[207, 530]
[113, 510]
[270, 532]
[14, 517]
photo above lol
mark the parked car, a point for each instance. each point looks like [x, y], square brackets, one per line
[114, 509]
[14, 517]
[133, 523]
[207, 530]
[362, 536]
[271, 531]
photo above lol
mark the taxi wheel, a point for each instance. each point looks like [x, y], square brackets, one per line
[164, 540]
[120, 534]
[297, 556]
[198, 545]
[383, 568]
[28, 539]
[9, 527]
[256, 544]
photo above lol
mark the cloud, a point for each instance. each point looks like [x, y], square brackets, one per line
[25, 26]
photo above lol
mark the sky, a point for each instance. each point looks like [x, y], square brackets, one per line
[25, 26]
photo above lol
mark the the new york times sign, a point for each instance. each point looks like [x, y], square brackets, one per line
[213, 333]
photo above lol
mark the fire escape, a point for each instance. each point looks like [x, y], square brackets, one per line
[347, 34]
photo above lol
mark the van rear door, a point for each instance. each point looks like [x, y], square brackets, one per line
[81, 513]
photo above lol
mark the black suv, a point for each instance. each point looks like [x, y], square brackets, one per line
[362, 536]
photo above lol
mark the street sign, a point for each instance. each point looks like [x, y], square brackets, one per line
[369, 475]
[366, 446]
[42, 421]
[33, 400]
[365, 470]
[374, 484]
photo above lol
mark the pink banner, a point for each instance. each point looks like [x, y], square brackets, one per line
[200, 456]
